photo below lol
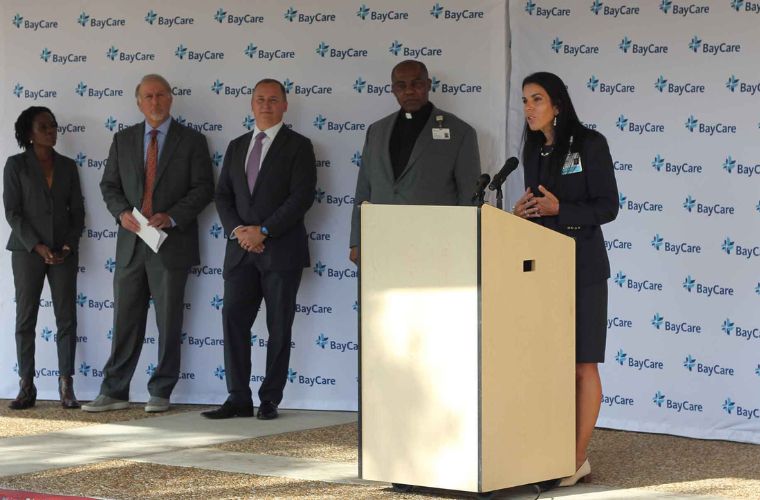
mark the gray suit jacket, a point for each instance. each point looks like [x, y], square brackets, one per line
[439, 172]
[37, 214]
[183, 187]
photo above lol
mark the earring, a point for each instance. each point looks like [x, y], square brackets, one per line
[555, 120]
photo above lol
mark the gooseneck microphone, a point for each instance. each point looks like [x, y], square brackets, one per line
[509, 166]
[480, 188]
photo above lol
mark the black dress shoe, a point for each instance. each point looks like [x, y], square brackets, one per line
[267, 411]
[228, 410]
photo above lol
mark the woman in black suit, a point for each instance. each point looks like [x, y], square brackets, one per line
[45, 209]
[570, 187]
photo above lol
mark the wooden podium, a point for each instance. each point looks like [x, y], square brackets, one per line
[467, 335]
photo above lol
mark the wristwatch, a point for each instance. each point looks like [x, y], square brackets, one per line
[264, 230]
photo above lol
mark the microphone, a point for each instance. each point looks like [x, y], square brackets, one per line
[480, 186]
[498, 179]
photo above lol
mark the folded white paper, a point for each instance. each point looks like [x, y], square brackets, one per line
[153, 237]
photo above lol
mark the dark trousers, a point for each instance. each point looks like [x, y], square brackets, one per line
[29, 271]
[133, 285]
[244, 289]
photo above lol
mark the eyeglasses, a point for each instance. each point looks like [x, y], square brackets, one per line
[401, 86]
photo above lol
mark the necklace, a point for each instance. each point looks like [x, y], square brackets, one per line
[546, 150]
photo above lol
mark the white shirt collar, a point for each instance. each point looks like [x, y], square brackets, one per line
[271, 132]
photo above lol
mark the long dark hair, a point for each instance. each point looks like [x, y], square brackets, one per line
[568, 124]
[24, 124]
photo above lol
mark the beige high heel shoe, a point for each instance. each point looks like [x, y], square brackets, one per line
[583, 471]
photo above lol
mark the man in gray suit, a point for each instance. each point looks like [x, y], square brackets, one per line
[419, 155]
[163, 169]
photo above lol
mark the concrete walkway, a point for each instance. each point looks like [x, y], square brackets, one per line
[183, 440]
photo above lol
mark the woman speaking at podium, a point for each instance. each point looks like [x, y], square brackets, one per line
[570, 188]
[45, 209]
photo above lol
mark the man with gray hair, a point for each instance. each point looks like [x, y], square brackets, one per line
[162, 169]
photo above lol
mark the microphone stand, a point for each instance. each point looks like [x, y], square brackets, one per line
[499, 198]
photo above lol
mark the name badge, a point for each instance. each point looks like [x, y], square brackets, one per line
[441, 134]
[572, 164]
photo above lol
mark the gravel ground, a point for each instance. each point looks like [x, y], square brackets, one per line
[49, 416]
[619, 459]
[120, 479]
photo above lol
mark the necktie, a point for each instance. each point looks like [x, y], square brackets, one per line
[252, 167]
[150, 175]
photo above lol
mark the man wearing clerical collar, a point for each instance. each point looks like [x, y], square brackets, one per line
[419, 155]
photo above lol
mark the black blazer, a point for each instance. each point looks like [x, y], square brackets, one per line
[184, 185]
[37, 214]
[283, 192]
[587, 200]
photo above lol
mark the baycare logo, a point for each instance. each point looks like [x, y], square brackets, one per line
[624, 124]
[400, 49]
[745, 251]
[204, 342]
[618, 322]
[114, 54]
[609, 88]
[622, 280]
[322, 270]
[185, 54]
[85, 20]
[730, 166]
[440, 12]
[598, 7]
[362, 86]
[542, 11]
[624, 359]
[380, 16]
[744, 332]
[199, 271]
[707, 369]
[659, 243]
[253, 51]
[683, 10]
[691, 205]
[664, 86]
[306, 89]
[84, 90]
[639, 206]
[310, 380]
[628, 46]
[33, 94]
[324, 342]
[223, 17]
[49, 56]
[735, 84]
[661, 401]
[618, 244]
[693, 124]
[732, 408]
[21, 22]
[326, 50]
[617, 400]
[699, 46]
[316, 309]
[455, 88]
[660, 164]
[218, 87]
[292, 15]
[339, 200]
[199, 126]
[659, 322]
[154, 19]
[71, 128]
[745, 6]
[574, 50]
[322, 123]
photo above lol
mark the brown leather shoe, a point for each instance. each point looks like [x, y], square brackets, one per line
[27, 395]
[66, 391]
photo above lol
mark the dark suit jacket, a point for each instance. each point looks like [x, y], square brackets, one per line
[183, 187]
[38, 214]
[587, 199]
[283, 192]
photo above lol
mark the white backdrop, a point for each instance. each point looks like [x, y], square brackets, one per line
[83, 59]
[674, 86]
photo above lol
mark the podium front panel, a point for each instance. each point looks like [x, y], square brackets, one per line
[419, 345]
